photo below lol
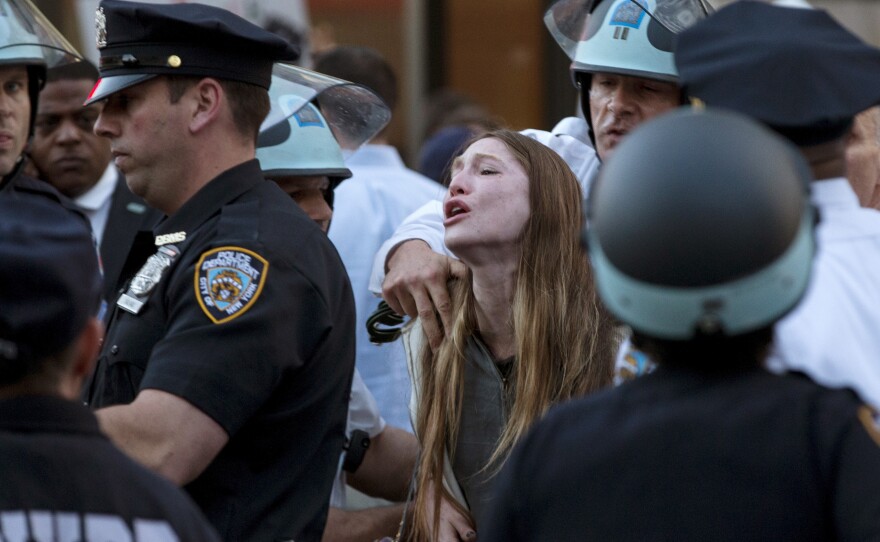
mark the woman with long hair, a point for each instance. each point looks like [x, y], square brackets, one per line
[528, 329]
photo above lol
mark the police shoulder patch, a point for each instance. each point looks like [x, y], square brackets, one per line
[871, 421]
[228, 280]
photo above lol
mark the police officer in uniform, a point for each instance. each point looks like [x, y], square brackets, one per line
[63, 479]
[228, 361]
[30, 44]
[710, 446]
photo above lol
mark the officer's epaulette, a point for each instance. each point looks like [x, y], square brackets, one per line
[239, 221]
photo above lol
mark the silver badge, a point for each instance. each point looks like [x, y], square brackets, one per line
[147, 278]
[100, 28]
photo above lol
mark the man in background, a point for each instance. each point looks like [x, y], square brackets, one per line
[863, 157]
[66, 153]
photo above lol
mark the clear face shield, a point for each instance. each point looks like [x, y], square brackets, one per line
[353, 112]
[27, 37]
[571, 23]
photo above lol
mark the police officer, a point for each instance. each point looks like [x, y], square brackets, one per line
[229, 357]
[621, 52]
[699, 242]
[303, 157]
[64, 480]
[830, 76]
[29, 44]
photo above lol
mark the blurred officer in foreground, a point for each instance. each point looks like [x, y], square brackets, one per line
[621, 52]
[229, 357]
[303, 157]
[68, 154]
[29, 44]
[63, 479]
[700, 242]
[830, 76]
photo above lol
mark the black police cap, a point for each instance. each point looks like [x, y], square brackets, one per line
[50, 276]
[797, 70]
[139, 41]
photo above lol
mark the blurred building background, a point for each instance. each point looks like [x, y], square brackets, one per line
[495, 51]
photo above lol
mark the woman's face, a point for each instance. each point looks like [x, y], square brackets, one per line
[487, 205]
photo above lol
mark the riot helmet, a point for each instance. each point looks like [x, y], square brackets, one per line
[315, 119]
[303, 146]
[27, 38]
[700, 225]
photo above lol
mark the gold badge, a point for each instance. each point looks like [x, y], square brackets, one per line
[174, 61]
[100, 28]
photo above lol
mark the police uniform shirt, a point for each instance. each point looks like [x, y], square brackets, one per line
[677, 455]
[246, 313]
[64, 480]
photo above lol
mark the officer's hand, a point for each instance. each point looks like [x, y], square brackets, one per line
[415, 284]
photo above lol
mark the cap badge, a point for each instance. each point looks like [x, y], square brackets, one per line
[174, 61]
[100, 28]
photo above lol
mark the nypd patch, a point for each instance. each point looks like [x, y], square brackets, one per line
[228, 280]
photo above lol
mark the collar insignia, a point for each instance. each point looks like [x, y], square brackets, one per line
[168, 238]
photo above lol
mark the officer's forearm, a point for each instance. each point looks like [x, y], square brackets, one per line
[164, 433]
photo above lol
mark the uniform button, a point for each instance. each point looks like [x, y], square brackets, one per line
[114, 349]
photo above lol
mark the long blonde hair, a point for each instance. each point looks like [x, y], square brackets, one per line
[564, 339]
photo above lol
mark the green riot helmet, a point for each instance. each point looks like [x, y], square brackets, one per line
[303, 146]
[700, 224]
[28, 38]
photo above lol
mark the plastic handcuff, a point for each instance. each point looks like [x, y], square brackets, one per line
[384, 325]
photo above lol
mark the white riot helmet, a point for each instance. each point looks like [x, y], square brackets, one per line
[302, 146]
[27, 38]
[626, 37]
[315, 118]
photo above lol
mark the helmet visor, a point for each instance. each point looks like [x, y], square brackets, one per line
[569, 20]
[354, 113]
[29, 38]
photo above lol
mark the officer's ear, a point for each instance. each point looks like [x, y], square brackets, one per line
[207, 98]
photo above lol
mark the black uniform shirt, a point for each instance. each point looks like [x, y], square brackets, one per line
[251, 321]
[676, 455]
[63, 480]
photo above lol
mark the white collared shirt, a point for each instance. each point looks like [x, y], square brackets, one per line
[833, 335]
[95, 203]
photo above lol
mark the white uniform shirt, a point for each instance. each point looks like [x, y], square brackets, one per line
[368, 208]
[95, 202]
[363, 414]
[833, 335]
[569, 138]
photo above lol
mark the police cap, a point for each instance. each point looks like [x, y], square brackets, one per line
[50, 276]
[797, 70]
[139, 41]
